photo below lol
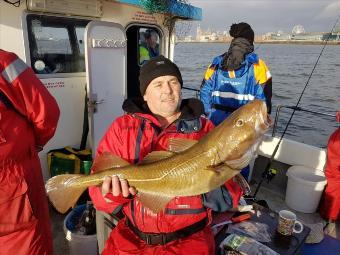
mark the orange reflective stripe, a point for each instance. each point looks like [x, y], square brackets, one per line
[231, 74]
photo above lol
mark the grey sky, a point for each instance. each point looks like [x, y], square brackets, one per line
[269, 15]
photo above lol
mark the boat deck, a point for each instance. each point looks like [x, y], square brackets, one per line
[276, 202]
[60, 245]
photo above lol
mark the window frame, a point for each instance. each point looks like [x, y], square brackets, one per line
[133, 66]
[70, 23]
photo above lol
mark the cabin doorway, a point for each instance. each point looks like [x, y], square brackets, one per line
[105, 45]
[143, 43]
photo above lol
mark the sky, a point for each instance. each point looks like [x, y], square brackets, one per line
[269, 15]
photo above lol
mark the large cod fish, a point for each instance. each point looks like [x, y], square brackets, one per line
[189, 168]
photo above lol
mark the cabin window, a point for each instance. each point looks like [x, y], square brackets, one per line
[56, 44]
[53, 40]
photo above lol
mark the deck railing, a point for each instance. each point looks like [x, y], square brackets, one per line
[296, 109]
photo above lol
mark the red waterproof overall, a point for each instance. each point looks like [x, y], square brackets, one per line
[330, 206]
[28, 118]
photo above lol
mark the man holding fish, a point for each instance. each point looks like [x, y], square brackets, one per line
[160, 116]
[151, 166]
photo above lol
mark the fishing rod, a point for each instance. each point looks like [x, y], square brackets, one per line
[267, 173]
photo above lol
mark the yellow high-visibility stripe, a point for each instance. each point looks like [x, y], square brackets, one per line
[261, 72]
[209, 73]
[143, 54]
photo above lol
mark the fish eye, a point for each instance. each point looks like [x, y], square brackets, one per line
[239, 123]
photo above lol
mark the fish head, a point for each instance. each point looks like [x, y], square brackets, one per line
[240, 134]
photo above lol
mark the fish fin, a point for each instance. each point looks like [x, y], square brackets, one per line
[213, 169]
[223, 172]
[240, 162]
[222, 167]
[62, 194]
[156, 156]
[154, 202]
[244, 160]
[107, 160]
[180, 144]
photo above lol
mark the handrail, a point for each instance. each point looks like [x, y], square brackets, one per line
[197, 90]
[192, 89]
[296, 108]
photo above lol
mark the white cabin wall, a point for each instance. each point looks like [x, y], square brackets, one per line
[11, 35]
[119, 13]
[70, 96]
[68, 90]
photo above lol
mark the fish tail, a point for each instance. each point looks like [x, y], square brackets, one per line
[63, 191]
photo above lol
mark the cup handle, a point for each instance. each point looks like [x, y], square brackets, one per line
[301, 227]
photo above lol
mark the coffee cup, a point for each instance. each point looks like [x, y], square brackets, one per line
[288, 223]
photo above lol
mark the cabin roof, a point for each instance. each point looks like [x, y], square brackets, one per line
[183, 11]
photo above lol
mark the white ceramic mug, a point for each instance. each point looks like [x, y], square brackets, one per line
[288, 222]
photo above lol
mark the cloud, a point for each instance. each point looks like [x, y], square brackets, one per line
[331, 10]
[269, 15]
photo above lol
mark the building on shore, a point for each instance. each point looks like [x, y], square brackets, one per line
[210, 35]
[280, 35]
[333, 36]
[297, 35]
[307, 37]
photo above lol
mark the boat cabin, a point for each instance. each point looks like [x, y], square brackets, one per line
[88, 46]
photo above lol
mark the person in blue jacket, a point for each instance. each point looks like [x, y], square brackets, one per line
[235, 78]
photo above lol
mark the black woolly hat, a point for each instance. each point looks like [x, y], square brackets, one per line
[243, 30]
[156, 67]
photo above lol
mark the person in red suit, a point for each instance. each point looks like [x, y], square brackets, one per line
[148, 125]
[330, 205]
[28, 119]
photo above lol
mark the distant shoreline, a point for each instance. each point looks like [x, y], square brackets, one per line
[274, 42]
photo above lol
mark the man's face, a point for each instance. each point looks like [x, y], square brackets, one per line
[163, 96]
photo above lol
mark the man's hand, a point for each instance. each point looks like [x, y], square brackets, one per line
[116, 187]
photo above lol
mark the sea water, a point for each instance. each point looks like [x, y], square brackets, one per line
[290, 66]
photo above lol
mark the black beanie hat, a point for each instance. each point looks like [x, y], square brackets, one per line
[156, 67]
[243, 30]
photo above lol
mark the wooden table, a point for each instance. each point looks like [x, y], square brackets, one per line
[281, 244]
